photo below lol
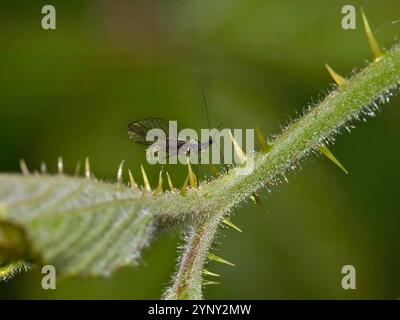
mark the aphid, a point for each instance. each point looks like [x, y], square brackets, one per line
[171, 145]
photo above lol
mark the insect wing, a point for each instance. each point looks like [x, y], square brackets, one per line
[138, 130]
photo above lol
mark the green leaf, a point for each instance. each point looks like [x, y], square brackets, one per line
[80, 226]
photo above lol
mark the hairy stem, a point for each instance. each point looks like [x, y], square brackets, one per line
[358, 98]
[189, 276]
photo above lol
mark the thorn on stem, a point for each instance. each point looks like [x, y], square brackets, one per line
[340, 81]
[209, 273]
[171, 186]
[60, 165]
[88, 174]
[183, 189]
[214, 257]
[327, 153]
[207, 283]
[238, 150]
[257, 200]
[24, 167]
[213, 170]
[192, 176]
[265, 146]
[230, 224]
[160, 183]
[133, 184]
[147, 186]
[120, 172]
[373, 43]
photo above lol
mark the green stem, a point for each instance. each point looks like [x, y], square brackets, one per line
[358, 98]
[189, 277]
[362, 92]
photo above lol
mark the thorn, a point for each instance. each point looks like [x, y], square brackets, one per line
[265, 146]
[255, 197]
[213, 170]
[213, 257]
[119, 173]
[160, 184]
[171, 187]
[327, 153]
[230, 224]
[24, 167]
[376, 50]
[183, 189]
[43, 168]
[238, 150]
[88, 174]
[145, 180]
[77, 168]
[209, 273]
[192, 176]
[60, 165]
[206, 283]
[134, 186]
[340, 81]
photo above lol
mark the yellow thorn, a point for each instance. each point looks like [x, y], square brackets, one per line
[213, 257]
[265, 146]
[24, 167]
[132, 181]
[145, 180]
[376, 50]
[213, 169]
[255, 197]
[43, 168]
[119, 173]
[209, 273]
[171, 186]
[192, 176]
[206, 283]
[77, 168]
[88, 174]
[238, 150]
[340, 81]
[183, 189]
[230, 224]
[160, 184]
[60, 165]
[327, 153]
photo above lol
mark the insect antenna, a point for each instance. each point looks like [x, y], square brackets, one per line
[206, 107]
[209, 127]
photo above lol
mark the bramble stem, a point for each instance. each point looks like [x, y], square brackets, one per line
[358, 98]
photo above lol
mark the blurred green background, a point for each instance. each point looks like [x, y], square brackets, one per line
[73, 90]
